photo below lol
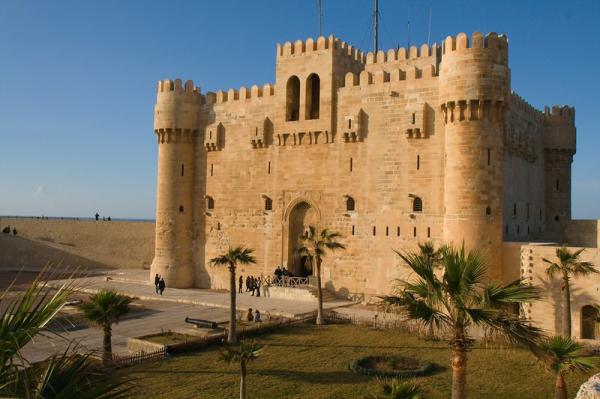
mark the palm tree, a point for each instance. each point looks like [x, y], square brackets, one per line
[105, 309]
[561, 356]
[24, 316]
[457, 299]
[245, 353]
[568, 265]
[398, 389]
[231, 258]
[313, 247]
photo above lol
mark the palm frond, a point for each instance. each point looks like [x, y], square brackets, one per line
[563, 355]
[494, 295]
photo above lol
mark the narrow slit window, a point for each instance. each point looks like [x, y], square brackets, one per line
[515, 209]
[374, 230]
[414, 231]
[210, 203]
[489, 156]
[182, 169]
[269, 168]
[488, 211]
[414, 118]
[418, 162]
[387, 230]
[350, 164]
[429, 232]
[557, 184]
[349, 123]
[353, 230]
[398, 231]
[181, 209]
[211, 169]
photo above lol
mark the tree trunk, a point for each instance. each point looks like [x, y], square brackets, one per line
[320, 320]
[459, 369]
[243, 393]
[107, 353]
[560, 389]
[566, 306]
[232, 335]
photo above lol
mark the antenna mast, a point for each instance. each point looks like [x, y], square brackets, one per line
[320, 18]
[376, 26]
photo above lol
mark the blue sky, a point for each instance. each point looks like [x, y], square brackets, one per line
[78, 80]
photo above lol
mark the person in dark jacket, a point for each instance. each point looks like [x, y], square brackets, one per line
[240, 284]
[156, 281]
[161, 285]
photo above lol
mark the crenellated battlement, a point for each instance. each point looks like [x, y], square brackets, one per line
[254, 93]
[402, 54]
[519, 103]
[176, 86]
[496, 44]
[308, 46]
[366, 78]
[560, 115]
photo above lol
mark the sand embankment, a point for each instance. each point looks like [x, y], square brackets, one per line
[89, 244]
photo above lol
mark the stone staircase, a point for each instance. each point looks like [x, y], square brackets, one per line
[328, 296]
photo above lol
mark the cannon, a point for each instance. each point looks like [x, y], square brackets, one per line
[199, 323]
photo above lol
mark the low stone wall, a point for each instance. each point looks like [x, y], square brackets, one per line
[295, 294]
[76, 243]
[140, 344]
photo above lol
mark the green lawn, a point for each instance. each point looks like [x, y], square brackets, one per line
[312, 362]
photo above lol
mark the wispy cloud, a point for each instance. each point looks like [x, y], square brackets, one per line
[39, 192]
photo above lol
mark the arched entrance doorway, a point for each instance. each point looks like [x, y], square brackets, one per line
[589, 318]
[301, 216]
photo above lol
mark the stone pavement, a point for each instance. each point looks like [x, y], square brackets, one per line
[136, 283]
[158, 316]
[162, 313]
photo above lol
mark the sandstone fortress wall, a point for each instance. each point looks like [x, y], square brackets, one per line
[389, 149]
[76, 243]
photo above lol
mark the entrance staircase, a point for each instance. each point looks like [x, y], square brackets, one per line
[328, 296]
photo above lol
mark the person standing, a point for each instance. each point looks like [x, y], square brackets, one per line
[252, 285]
[257, 284]
[240, 284]
[247, 283]
[161, 285]
[156, 281]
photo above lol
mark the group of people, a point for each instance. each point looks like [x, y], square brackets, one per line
[282, 271]
[254, 285]
[159, 284]
[7, 230]
[104, 218]
[255, 317]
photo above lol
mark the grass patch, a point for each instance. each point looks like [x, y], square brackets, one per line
[307, 361]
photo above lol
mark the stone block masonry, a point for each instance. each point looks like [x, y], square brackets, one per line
[390, 149]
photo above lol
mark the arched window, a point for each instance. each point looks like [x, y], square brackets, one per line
[589, 321]
[488, 211]
[417, 205]
[350, 204]
[268, 204]
[292, 102]
[313, 94]
[210, 203]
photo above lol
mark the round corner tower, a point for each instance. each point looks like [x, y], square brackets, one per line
[474, 94]
[176, 125]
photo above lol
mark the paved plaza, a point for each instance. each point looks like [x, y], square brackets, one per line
[161, 313]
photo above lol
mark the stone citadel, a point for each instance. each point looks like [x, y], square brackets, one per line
[390, 149]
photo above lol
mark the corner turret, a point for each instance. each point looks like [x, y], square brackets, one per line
[176, 125]
[474, 93]
[559, 148]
